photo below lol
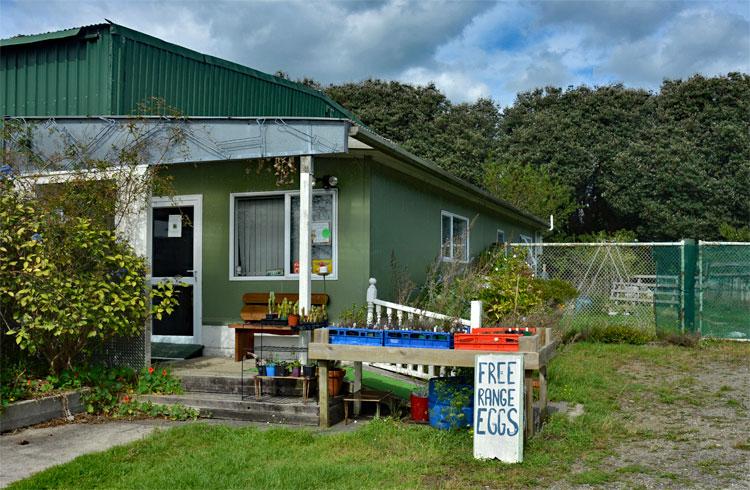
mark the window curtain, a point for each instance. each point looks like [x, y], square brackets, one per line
[259, 236]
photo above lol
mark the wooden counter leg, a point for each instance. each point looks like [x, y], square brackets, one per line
[357, 406]
[529, 403]
[543, 392]
[323, 393]
[238, 349]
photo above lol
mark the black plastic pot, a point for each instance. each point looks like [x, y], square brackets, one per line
[308, 371]
[261, 370]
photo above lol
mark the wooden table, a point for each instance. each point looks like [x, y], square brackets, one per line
[244, 336]
[305, 385]
[365, 396]
[537, 350]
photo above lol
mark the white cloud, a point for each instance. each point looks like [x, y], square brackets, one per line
[456, 85]
[469, 49]
[696, 41]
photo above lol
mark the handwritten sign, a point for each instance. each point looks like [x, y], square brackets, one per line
[498, 407]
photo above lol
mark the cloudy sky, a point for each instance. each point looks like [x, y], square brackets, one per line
[469, 49]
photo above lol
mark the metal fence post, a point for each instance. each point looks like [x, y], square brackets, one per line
[682, 286]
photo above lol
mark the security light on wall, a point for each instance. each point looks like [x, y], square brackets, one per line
[327, 181]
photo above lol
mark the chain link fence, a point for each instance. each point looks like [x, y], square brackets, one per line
[634, 284]
[662, 286]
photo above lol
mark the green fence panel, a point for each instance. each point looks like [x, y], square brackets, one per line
[723, 291]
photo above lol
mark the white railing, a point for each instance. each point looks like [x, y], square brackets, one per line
[393, 316]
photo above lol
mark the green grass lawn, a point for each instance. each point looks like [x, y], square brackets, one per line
[400, 389]
[387, 453]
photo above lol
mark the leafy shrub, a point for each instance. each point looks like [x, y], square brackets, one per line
[354, 315]
[555, 292]
[510, 288]
[129, 407]
[611, 334]
[67, 283]
[152, 380]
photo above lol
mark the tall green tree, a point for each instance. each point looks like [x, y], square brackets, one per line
[527, 187]
[458, 137]
[686, 171]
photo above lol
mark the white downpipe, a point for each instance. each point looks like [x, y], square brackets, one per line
[476, 315]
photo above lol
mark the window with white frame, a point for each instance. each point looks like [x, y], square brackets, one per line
[500, 236]
[265, 235]
[454, 237]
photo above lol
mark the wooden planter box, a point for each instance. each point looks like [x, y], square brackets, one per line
[30, 412]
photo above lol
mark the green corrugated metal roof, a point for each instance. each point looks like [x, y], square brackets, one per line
[34, 38]
[110, 69]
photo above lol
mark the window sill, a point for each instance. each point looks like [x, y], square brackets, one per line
[330, 277]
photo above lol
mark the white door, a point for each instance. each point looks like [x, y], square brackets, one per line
[175, 251]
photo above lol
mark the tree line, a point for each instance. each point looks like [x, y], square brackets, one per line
[608, 160]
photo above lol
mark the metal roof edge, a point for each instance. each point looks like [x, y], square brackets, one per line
[37, 38]
[383, 144]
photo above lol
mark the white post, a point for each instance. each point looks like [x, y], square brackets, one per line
[305, 246]
[372, 295]
[476, 315]
[305, 249]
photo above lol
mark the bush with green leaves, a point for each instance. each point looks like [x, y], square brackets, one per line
[611, 334]
[67, 283]
[510, 288]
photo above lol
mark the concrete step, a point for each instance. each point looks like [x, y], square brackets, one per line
[275, 409]
[212, 383]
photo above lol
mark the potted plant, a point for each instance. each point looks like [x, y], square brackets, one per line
[335, 380]
[308, 371]
[285, 308]
[271, 304]
[419, 404]
[296, 366]
[281, 367]
[260, 364]
[271, 368]
[293, 317]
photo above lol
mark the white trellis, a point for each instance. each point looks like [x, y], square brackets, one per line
[393, 316]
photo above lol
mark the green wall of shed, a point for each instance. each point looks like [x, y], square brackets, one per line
[405, 220]
[108, 69]
[222, 298]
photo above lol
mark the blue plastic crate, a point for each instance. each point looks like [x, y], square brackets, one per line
[419, 339]
[355, 336]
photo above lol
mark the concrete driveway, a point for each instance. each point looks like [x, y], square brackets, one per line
[29, 451]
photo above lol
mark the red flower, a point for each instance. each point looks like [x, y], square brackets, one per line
[151, 370]
[28, 382]
[126, 398]
[163, 372]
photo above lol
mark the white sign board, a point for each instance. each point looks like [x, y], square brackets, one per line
[498, 407]
[174, 228]
[321, 232]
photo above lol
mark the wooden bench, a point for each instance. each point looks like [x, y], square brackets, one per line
[366, 396]
[305, 385]
[254, 310]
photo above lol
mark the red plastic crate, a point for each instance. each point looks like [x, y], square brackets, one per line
[499, 342]
[503, 330]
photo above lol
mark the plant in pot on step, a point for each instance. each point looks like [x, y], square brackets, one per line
[270, 367]
[335, 379]
[260, 364]
[281, 368]
[296, 366]
[419, 404]
[308, 371]
[271, 305]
